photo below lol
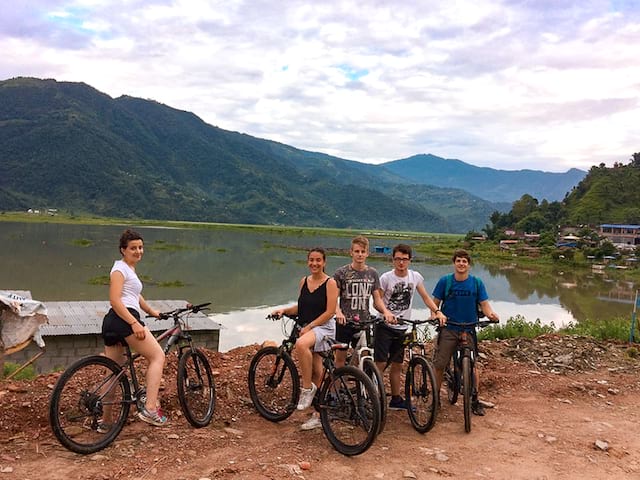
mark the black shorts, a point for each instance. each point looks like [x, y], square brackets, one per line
[346, 334]
[115, 329]
[388, 344]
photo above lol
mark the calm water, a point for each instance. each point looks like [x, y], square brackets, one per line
[247, 274]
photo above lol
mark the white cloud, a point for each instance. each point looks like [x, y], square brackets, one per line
[545, 85]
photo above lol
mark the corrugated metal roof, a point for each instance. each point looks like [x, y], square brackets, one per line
[85, 318]
[618, 225]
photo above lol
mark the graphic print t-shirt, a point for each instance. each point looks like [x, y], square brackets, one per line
[397, 293]
[355, 289]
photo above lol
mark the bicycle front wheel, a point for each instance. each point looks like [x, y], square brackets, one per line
[89, 404]
[453, 384]
[369, 367]
[349, 410]
[274, 384]
[420, 392]
[466, 385]
[196, 388]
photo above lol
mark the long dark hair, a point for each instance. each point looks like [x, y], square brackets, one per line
[319, 250]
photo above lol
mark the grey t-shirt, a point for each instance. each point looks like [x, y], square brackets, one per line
[355, 289]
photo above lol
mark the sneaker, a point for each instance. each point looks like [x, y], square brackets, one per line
[397, 404]
[103, 427]
[477, 408]
[152, 418]
[306, 396]
[313, 422]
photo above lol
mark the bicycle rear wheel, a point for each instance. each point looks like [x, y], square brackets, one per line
[196, 388]
[420, 392]
[274, 384]
[467, 386]
[369, 367]
[89, 404]
[349, 410]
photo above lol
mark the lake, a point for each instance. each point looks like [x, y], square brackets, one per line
[248, 273]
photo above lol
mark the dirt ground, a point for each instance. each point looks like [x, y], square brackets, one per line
[565, 408]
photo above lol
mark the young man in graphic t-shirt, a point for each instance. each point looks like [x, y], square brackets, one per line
[397, 287]
[357, 283]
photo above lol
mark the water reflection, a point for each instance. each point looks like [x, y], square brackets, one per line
[248, 273]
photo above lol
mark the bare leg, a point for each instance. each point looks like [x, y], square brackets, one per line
[305, 356]
[151, 350]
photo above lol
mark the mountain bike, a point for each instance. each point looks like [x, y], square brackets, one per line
[90, 402]
[420, 379]
[362, 357]
[460, 373]
[346, 398]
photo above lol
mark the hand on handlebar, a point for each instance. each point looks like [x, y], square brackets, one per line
[340, 318]
[390, 318]
[493, 316]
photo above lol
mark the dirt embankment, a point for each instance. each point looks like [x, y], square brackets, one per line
[565, 408]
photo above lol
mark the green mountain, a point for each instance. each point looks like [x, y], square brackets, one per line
[606, 195]
[488, 183]
[68, 146]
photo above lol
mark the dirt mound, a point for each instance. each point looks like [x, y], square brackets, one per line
[562, 405]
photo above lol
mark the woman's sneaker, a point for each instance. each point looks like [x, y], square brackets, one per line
[306, 396]
[152, 418]
[313, 422]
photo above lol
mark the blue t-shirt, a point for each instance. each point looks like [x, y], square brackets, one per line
[460, 306]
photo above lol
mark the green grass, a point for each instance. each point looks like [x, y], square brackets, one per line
[81, 242]
[516, 327]
[612, 329]
[28, 373]
[99, 280]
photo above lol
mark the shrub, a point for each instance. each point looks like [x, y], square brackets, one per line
[515, 327]
[614, 328]
[28, 373]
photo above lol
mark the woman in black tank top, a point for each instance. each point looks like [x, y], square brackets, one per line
[318, 295]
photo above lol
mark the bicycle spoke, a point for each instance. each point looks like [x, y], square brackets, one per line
[196, 389]
[350, 411]
[89, 405]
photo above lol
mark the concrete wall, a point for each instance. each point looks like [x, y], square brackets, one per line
[61, 351]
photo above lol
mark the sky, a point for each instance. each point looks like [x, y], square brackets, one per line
[539, 84]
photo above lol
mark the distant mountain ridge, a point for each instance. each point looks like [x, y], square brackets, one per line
[488, 183]
[68, 146]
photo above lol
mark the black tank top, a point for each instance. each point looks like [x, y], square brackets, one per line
[311, 304]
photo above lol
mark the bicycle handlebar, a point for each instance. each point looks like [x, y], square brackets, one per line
[363, 323]
[279, 317]
[189, 308]
[479, 323]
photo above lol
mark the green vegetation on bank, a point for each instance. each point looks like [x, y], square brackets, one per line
[518, 327]
[27, 373]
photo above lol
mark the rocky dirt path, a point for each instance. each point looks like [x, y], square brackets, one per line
[565, 408]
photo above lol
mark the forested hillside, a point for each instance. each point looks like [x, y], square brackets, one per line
[68, 146]
[605, 195]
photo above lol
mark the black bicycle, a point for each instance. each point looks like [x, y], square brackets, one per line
[346, 399]
[459, 374]
[90, 402]
[420, 379]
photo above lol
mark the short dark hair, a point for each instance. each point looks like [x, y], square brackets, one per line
[402, 248]
[127, 236]
[460, 253]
